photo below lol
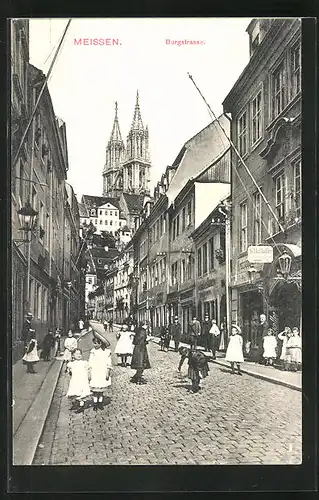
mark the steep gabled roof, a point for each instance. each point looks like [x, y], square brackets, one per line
[97, 201]
[134, 202]
[83, 210]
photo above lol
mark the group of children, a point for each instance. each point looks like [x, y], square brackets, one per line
[88, 378]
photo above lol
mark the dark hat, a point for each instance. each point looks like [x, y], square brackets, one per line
[29, 314]
[175, 317]
[103, 340]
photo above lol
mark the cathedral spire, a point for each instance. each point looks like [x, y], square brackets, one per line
[137, 123]
[116, 133]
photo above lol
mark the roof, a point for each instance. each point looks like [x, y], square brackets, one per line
[101, 253]
[134, 202]
[97, 201]
[83, 210]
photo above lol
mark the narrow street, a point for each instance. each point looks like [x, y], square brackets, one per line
[232, 420]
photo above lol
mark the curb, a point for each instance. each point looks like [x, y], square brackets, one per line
[28, 435]
[261, 376]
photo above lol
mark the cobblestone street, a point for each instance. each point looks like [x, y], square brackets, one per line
[232, 420]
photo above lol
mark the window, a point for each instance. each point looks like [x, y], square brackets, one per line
[34, 199]
[183, 219]
[38, 131]
[105, 212]
[222, 243]
[183, 271]
[47, 230]
[111, 222]
[280, 196]
[101, 213]
[256, 118]
[41, 220]
[242, 133]
[95, 222]
[278, 91]
[211, 253]
[177, 225]
[174, 271]
[205, 258]
[295, 70]
[297, 188]
[120, 223]
[45, 304]
[190, 267]
[243, 227]
[257, 218]
[38, 301]
[189, 213]
[199, 262]
[101, 221]
[116, 213]
[105, 223]
[20, 182]
[111, 213]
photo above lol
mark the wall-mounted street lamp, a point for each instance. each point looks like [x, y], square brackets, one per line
[252, 271]
[283, 271]
[27, 216]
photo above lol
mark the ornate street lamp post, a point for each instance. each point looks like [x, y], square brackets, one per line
[27, 216]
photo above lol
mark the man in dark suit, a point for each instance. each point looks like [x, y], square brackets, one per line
[194, 332]
[206, 326]
[176, 332]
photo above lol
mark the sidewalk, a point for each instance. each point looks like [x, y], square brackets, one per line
[32, 396]
[293, 380]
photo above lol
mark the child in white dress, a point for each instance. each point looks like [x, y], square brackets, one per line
[31, 355]
[234, 353]
[79, 388]
[100, 365]
[124, 347]
[269, 346]
[70, 344]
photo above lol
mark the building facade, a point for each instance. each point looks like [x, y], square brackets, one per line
[124, 266]
[104, 213]
[265, 106]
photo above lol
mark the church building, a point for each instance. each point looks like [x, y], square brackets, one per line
[127, 169]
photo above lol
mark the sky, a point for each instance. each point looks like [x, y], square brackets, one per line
[87, 80]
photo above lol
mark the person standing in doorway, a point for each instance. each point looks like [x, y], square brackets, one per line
[176, 332]
[140, 360]
[214, 338]
[262, 330]
[194, 332]
[57, 342]
[206, 326]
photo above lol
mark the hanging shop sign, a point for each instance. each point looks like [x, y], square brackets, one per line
[260, 254]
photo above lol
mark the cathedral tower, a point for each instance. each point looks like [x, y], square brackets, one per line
[136, 166]
[115, 155]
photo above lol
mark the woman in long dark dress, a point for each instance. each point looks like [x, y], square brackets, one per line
[47, 345]
[140, 360]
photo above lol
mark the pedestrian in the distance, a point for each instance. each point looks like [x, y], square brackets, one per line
[57, 342]
[140, 360]
[111, 325]
[293, 349]
[165, 338]
[214, 338]
[284, 336]
[27, 328]
[100, 369]
[47, 345]
[176, 332]
[206, 326]
[105, 325]
[81, 325]
[234, 352]
[31, 355]
[70, 344]
[194, 332]
[124, 347]
[269, 346]
[79, 388]
[262, 329]
[197, 366]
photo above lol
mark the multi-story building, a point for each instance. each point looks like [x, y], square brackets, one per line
[110, 275]
[265, 106]
[104, 213]
[124, 265]
[210, 269]
[21, 171]
[127, 169]
[164, 252]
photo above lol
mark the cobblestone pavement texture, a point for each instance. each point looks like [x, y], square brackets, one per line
[232, 420]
